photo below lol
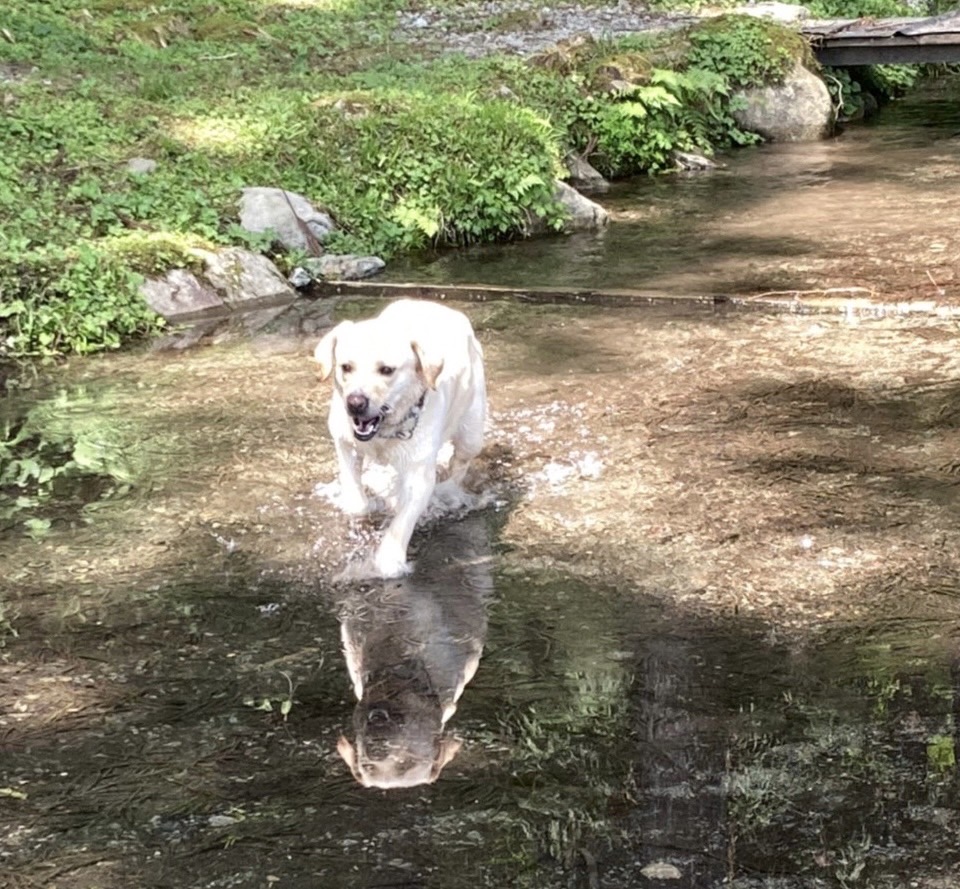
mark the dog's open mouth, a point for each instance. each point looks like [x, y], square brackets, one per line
[365, 428]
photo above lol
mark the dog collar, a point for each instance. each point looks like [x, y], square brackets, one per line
[404, 429]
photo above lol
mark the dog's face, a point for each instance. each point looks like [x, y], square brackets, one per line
[400, 741]
[379, 375]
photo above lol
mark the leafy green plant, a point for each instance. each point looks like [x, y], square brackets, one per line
[639, 128]
[853, 9]
[746, 50]
[85, 301]
[315, 98]
[847, 94]
[404, 170]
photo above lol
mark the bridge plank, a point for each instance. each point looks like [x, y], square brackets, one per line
[842, 42]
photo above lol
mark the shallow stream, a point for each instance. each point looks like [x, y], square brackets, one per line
[715, 586]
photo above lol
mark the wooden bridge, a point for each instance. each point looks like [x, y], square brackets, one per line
[845, 42]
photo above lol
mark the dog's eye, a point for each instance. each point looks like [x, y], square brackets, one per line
[386, 371]
[346, 369]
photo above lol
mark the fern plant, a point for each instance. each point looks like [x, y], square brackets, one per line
[675, 111]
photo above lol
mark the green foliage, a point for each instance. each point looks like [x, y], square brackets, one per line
[315, 98]
[852, 88]
[748, 51]
[847, 94]
[941, 753]
[84, 300]
[639, 128]
[890, 81]
[405, 170]
[853, 9]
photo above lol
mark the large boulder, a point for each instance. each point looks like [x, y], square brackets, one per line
[231, 280]
[294, 222]
[181, 295]
[581, 213]
[797, 110]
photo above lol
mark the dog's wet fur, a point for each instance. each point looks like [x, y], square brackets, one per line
[405, 384]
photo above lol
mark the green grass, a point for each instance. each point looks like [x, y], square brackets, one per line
[403, 146]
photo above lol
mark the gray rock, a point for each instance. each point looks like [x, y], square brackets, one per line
[243, 278]
[343, 268]
[581, 214]
[232, 279]
[141, 166]
[300, 278]
[293, 220]
[662, 870]
[180, 295]
[797, 110]
[583, 175]
[691, 162]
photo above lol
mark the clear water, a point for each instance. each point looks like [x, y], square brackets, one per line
[870, 214]
[715, 590]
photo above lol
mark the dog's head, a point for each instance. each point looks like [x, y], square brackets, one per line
[379, 374]
[401, 741]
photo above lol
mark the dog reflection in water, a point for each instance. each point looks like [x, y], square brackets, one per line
[411, 646]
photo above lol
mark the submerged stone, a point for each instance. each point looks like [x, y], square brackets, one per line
[346, 267]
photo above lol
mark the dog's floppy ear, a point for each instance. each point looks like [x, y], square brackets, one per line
[349, 755]
[323, 354]
[449, 748]
[428, 366]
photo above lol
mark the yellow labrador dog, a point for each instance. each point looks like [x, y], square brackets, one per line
[405, 384]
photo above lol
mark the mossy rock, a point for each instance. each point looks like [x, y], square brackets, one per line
[747, 50]
[153, 253]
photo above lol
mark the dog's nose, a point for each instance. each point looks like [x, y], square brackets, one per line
[357, 404]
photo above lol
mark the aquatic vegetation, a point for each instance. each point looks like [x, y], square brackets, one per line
[63, 454]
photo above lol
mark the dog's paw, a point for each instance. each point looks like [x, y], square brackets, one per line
[357, 505]
[390, 562]
[390, 568]
[353, 503]
[373, 568]
[450, 497]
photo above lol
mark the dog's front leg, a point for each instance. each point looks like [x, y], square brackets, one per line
[353, 499]
[414, 490]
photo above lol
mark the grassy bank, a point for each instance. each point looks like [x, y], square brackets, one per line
[404, 145]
